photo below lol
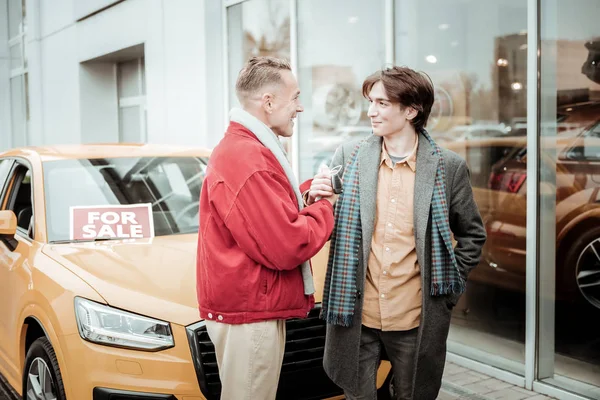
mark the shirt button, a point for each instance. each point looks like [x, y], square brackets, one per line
[390, 224]
[383, 296]
[209, 315]
[393, 200]
[387, 249]
[220, 318]
[385, 272]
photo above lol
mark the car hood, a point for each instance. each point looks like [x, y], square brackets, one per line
[152, 277]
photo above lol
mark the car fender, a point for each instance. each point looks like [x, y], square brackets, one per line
[53, 308]
[587, 214]
[39, 313]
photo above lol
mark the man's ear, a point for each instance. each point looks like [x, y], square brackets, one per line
[411, 113]
[267, 102]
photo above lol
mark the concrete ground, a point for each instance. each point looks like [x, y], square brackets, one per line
[462, 383]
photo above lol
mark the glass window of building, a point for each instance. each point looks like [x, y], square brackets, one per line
[256, 28]
[132, 101]
[17, 29]
[340, 43]
[569, 267]
[476, 56]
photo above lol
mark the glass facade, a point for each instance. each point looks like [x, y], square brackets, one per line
[526, 312]
[18, 85]
[17, 99]
[476, 55]
[131, 89]
[569, 201]
[334, 56]
[256, 28]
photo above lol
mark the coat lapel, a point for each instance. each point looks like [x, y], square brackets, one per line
[368, 170]
[427, 162]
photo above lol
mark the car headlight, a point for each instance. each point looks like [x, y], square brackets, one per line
[102, 324]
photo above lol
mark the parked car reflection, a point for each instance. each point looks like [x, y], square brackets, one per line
[499, 175]
[466, 132]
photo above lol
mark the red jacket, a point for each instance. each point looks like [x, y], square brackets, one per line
[252, 238]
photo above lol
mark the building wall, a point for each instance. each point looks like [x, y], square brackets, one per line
[4, 79]
[72, 52]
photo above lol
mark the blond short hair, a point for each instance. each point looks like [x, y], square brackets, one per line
[258, 73]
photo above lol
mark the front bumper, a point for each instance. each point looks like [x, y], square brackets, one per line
[93, 367]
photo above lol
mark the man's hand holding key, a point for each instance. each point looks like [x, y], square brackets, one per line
[322, 186]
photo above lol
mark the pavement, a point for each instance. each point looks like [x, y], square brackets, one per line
[462, 383]
[458, 383]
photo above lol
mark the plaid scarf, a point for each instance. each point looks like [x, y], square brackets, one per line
[339, 294]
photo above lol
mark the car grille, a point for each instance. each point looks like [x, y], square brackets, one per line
[302, 375]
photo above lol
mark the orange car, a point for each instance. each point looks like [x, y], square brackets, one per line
[98, 312]
[499, 179]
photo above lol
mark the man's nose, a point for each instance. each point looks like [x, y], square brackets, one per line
[371, 112]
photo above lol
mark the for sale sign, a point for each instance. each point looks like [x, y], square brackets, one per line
[112, 222]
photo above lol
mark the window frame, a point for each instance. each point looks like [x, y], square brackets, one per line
[8, 193]
[134, 101]
[4, 182]
[20, 72]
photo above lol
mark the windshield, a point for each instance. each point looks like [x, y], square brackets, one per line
[171, 185]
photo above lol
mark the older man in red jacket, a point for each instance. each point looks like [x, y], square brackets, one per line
[256, 236]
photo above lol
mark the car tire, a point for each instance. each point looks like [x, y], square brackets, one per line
[41, 364]
[578, 260]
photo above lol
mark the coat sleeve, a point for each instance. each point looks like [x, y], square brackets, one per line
[465, 222]
[265, 222]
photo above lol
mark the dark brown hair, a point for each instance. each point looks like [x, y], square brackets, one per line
[407, 87]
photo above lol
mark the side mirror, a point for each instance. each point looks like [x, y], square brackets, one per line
[8, 223]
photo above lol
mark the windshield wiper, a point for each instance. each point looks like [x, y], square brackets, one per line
[100, 239]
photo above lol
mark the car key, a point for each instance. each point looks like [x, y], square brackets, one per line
[336, 180]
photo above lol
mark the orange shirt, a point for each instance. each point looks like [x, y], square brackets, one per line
[392, 294]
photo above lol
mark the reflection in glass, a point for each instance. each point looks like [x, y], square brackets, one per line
[340, 43]
[170, 184]
[570, 169]
[476, 55]
[256, 28]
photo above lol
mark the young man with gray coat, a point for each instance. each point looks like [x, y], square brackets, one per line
[394, 274]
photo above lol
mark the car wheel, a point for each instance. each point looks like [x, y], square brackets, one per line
[41, 378]
[582, 267]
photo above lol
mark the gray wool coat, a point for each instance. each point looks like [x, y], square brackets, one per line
[342, 343]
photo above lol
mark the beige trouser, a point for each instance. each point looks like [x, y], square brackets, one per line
[249, 357]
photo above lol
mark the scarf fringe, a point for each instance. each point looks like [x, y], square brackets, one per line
[344, 320]
[445, 288]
